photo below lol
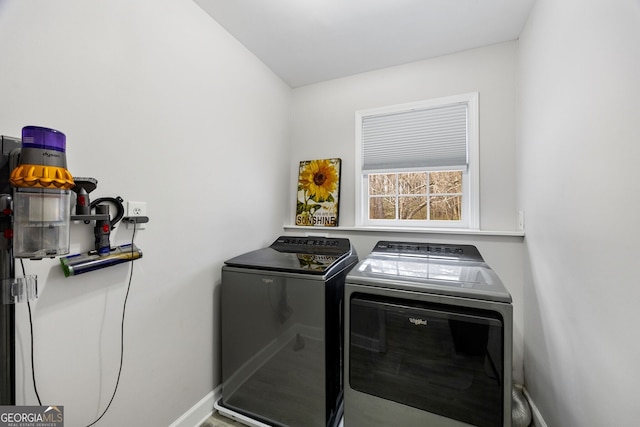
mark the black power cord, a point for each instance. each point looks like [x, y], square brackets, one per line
[124, 308]
[33, 369]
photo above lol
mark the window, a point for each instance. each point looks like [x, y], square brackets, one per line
[417, 164]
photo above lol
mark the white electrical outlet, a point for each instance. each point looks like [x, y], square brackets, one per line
[521, 220]
[137, 209]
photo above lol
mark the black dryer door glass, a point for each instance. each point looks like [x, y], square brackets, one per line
[443, 359]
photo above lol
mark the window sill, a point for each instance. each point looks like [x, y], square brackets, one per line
[451, 231]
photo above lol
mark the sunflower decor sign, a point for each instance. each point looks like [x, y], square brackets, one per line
[318, 191]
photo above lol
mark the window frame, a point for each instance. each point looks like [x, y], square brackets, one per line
[471, 182]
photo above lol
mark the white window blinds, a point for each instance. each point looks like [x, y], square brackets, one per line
[419, 138]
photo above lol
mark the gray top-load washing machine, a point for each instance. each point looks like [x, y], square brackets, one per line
[429, 339]
[282, 332]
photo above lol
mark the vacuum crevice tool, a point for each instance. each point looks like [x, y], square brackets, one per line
[73, 265]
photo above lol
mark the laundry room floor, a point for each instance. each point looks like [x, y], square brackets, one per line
[217, 420]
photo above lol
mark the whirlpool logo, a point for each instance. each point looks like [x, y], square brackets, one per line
[418, 322]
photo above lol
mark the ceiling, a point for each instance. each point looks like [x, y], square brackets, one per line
[308, 41]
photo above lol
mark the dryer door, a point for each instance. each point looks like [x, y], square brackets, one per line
[442, 359]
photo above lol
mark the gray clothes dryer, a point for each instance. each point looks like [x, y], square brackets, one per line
[429, 339]
[282, 332]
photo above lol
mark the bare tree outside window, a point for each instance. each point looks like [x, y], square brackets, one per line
[416, 196]
[382, 201]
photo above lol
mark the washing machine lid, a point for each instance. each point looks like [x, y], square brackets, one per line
[307, 255]
[440, 269]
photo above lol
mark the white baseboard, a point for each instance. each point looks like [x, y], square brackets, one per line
[199, 412]
[536, 416]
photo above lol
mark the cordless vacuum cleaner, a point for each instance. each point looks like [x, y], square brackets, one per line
[103, 255]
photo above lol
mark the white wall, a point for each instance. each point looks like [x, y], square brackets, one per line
[324, 120]
[161, 105]
[579, 150]
[323, 126]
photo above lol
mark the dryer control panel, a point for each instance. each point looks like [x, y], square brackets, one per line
[461, 252]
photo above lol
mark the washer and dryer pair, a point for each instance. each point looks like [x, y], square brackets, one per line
[415, 334]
